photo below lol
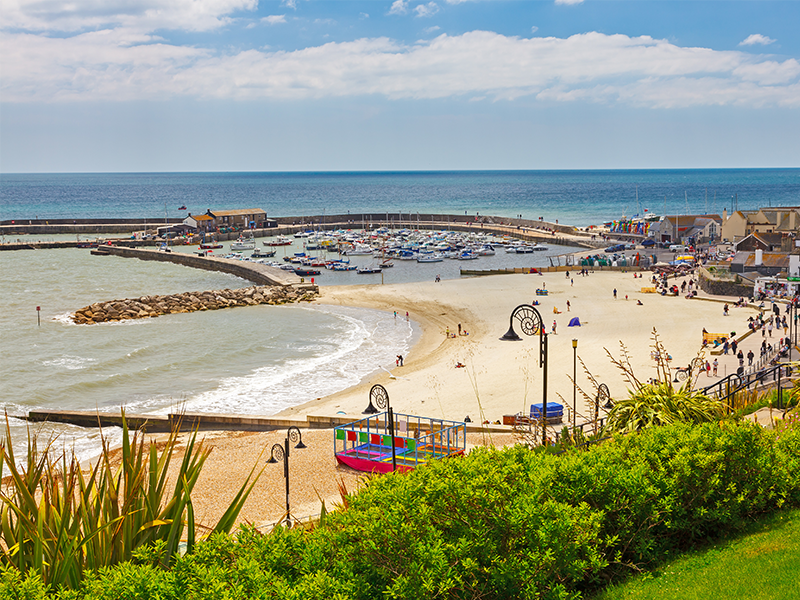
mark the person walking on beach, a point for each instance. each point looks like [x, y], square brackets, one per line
[459, 329]
[750, 357]
[725, 310]
[567, 305]
[708, 369]
[615, 293]
[395, 315]
[734, 346]
[769, 327]
[406, 315]
[400, 358]
[715, 366]
[554, 326]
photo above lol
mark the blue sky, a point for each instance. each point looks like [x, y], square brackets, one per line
[305, 85]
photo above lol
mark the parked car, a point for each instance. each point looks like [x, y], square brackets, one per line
[616, 248]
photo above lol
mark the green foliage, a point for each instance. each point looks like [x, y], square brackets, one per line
[496, 524]
[59, 521]
[662, 404]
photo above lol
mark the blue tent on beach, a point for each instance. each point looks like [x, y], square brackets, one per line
[574, 322]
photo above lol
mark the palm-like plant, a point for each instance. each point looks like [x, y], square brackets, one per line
[59, 520]
[659, 402]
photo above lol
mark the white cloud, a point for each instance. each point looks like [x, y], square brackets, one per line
[756, 38]
[289, 4]
[141, 15]
[569, 1]
[274, 19]
[433, 29]
[590, 67]
[399, 7]
[534, 29]
[426, 10]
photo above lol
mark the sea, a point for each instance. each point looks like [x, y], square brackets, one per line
[263, 359]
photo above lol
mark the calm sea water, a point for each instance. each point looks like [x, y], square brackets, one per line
[259, 360]
[573, 197]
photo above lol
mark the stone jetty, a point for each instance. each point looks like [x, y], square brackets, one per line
[154, 306]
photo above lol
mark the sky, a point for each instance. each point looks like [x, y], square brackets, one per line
[335, 85]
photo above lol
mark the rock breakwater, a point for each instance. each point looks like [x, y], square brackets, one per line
[154, 306]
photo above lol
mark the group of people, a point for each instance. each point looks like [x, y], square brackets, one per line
[461, 331]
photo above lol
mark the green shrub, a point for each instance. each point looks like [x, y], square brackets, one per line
[496, 524]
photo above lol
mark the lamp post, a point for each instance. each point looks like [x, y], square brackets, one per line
[380, 397]
[531, 323]
[281, 452]
[574, 380]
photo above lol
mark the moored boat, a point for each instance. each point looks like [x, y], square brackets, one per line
[243, 244]
[262, 253]
[281, 240]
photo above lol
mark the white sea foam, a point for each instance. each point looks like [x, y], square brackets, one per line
[362, 342]
[72, 363]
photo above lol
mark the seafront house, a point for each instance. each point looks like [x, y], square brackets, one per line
[692, 229]
[742, 223]
[203, 223]
[245, 218]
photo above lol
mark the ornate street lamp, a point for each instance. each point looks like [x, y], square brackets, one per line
[603, 395]
[281, 452]
[574, 380]
[380, 397]
[530, 322]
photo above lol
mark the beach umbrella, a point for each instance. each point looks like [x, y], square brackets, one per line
[574, 322]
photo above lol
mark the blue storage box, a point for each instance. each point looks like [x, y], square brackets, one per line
[553, 410]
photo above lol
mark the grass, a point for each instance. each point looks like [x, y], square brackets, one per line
[763, 563]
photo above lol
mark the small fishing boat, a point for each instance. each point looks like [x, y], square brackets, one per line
[468, 255]
[429, 258]
[281, 240]
[386, 264]
[243, 244]
[262, 253]
[368, 270]
[211, 246]
[306, 271]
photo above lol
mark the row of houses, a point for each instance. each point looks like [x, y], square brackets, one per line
[773, 224]
[221, 220]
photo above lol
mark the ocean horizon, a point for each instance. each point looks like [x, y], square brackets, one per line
[573, 197]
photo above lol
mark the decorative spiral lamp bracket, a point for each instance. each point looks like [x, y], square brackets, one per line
[276, 454]
[295, 437]
[378, 396]
[530, 322]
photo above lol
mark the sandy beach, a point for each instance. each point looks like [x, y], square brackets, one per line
[500, 377]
